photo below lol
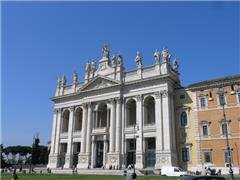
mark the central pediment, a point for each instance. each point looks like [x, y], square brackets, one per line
[99, 82]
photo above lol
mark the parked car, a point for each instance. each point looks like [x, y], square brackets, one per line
[202, 178]
[172, 171]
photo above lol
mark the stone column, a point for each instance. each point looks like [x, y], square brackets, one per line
[118, 126]
[168, 157]
[104, 149]
[84, 156]
[59, 119]
[89, 128]
[118, 132]
[93, 149]
[159, 130]
[139, 134]
[69, 155]
[52, 162]
[108, 124]
[112, 126]
[123, 154]
[84, 128]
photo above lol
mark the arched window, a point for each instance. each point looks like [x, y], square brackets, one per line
[102, 116]
[149, 110]
[131, 112]
[65, 121]
[183, 118]
[78, 119]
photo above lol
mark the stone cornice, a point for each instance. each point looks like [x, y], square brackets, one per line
[215, 83]
[119, 86]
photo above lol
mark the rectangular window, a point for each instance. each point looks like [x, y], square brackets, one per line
[224, 128]
[185, 154]
[202, 102]
[207, 157]
[221, 99]
[182, 96]
[227, 157]
[205, 129]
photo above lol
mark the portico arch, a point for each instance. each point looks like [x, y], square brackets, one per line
[65, 120]
[131, 112]
[149, 110]
[78, 119]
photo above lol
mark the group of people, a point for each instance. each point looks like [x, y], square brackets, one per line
[210, 171]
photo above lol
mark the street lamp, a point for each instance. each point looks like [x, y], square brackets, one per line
[222, 103]
[134, 175]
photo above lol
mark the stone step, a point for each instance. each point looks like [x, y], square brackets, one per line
[94, 172]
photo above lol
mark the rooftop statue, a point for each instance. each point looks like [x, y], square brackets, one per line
[157, 56]
[87, 67]
[175, 65]
[119, 60]
[75, 77]
[64, 80]
[93, 65]
[113, 61]
[138, 60]
[105, 51]
[165, 54]
[59, 81]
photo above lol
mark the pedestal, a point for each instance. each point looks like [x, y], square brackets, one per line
[83, 161]
[113, 160]
[53, 161]
[139, 160]
[68, 161]
[165, 159]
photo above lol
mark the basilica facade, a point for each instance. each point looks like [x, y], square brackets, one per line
[115, 118]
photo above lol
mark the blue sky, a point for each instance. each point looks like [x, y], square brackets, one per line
[42, 40]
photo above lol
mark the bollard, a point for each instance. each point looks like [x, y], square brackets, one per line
[134, 175]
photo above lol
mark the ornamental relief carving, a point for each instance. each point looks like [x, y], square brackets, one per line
[112, 159]
[83, 159]
[139, 97]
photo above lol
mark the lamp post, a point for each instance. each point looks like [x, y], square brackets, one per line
[134, 175]
[222, 103]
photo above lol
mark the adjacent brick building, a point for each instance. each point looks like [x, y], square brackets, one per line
[210, 124]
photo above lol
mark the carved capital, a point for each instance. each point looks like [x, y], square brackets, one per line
[112, 100]
[55, 110]
[164, 93]
[84, 105]
[157, 94]
[139, 97]
[71, 108]
[89, 104]
[118, 100]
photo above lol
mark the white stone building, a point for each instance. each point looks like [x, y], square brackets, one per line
[116, 118]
